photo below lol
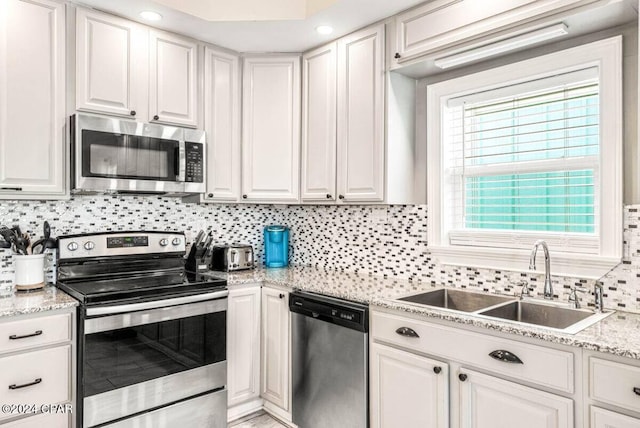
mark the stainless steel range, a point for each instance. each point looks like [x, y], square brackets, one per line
[151, 342]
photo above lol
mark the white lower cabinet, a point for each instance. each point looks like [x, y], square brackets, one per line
[276, 366]
[601, 418]
[243, 346]
[613, 382]
[37, 365]
[408, 390]
[419, 378]
[48, 420]
[258, 351]
[489, 402]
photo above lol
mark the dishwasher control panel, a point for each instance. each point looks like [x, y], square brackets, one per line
[342, 312]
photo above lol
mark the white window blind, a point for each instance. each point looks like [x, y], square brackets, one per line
[523, 160]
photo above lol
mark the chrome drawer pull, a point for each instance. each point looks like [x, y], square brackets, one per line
[407, 332]
[505, 356]
[636, 390]
[35, 382]
[15, 337]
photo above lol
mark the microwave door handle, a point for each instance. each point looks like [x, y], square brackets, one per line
[181, 161]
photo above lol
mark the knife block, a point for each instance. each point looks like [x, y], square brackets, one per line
[198, 259]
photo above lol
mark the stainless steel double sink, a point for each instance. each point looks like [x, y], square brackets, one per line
[552, 315]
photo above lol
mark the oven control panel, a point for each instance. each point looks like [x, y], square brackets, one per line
[120, 244]
[127, 241]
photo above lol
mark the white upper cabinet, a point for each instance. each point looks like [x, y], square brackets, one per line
[126, 69]
[319, 124]
[111, 65]
[271, 128]
[361, 116]
[222, 125]
[32, 99]
[173, 62]
[442, 23]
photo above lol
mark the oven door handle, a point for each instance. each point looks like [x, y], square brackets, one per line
[132, 307]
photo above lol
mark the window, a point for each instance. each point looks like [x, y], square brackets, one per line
[529, 151]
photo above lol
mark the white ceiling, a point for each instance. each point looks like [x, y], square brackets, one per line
[287, 34]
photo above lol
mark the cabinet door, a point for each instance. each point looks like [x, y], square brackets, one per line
[361, 116]
[111, 65]
[243, 344]
[488, 402]
[32, 98]
[173, 88]
[271, 129]
[222, 125]
[408, 390]
[275, 347]
[319, 124]
[601, 418]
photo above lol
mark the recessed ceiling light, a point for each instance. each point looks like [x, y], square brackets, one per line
[324, 29]
[150, 16]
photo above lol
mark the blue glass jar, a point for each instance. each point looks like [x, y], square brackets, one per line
[276, 246]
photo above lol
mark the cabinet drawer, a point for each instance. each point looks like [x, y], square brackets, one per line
[544, 366]
[49, 420]
[50, 366]
[29, 333]
[601, 418]
[614, 383]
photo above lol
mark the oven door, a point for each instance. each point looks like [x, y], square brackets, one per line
[116, 154]
[134, 363]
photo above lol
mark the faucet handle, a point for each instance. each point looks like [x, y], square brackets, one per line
[573, 295]
[524, 290]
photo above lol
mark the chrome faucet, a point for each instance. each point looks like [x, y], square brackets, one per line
[548, 289]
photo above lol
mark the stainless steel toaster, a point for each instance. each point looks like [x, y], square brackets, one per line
[232, 257]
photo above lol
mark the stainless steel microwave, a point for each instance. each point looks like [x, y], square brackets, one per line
[111, 154]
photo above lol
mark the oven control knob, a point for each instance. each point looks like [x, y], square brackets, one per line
[176, 241]
[72, 246]
[164, 242]
[89, 245]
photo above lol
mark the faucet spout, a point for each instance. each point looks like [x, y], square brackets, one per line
[548, 289]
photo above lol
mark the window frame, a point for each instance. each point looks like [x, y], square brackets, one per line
[606, 55]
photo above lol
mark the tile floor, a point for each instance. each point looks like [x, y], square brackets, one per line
[259, 421]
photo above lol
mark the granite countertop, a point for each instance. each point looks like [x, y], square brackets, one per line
[617, 334]
[48, 299]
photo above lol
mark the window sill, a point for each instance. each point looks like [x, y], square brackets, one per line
[562, 264]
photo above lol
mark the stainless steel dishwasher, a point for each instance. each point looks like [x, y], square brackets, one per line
[330, 362]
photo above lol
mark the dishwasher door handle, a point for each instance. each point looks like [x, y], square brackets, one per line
[407, 332]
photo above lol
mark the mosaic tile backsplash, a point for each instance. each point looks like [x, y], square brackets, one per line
[378, 240]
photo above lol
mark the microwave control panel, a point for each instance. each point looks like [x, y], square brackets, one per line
[194, 158]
